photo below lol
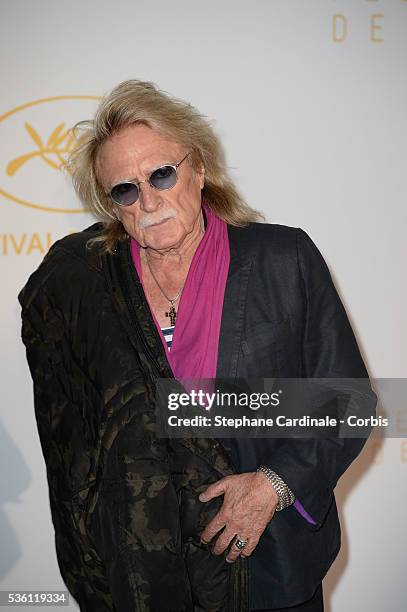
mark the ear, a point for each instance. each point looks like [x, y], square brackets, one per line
[200, 172]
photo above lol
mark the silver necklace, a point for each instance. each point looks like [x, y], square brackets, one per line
[172, 313]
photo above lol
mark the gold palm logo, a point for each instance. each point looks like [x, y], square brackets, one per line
[50, 147]
[54, 152]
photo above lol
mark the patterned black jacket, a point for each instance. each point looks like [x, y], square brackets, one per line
[124, 502]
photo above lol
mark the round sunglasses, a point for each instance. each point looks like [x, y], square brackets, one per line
[164, 177]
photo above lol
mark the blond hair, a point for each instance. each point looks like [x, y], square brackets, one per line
[134, 102]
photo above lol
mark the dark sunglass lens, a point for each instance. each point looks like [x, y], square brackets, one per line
[163, 178]
[124, 194]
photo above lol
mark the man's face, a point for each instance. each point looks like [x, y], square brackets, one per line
[158, 219]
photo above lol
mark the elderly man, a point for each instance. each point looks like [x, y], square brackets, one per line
[180, 279]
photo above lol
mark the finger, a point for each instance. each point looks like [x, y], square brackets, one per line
[215, 489]
[223, 541]
[249, 548]
[216, 524]
[236, 552]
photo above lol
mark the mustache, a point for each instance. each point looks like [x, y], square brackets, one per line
[153, 219]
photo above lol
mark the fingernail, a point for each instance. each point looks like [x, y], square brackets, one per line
[229, 560]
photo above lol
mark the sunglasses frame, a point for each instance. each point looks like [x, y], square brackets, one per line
[147, 180]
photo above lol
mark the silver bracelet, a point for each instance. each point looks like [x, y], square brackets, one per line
[285, 496]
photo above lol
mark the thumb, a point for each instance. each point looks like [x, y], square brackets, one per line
[215, 489]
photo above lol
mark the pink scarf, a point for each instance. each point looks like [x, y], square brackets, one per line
[194, 348]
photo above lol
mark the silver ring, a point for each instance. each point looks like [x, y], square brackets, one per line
[240, 544]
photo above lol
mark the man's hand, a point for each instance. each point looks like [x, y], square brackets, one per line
[248, 506]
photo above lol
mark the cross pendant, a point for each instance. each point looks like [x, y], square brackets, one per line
[172, 315]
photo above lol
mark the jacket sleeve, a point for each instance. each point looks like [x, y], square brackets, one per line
[61, 434]
[311, 467]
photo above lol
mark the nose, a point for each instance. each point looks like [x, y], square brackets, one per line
[149, 197]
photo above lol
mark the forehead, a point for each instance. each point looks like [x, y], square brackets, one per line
[133, 152]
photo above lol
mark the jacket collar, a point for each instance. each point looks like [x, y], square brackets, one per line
[234, 304]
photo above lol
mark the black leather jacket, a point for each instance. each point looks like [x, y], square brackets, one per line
[124, 502]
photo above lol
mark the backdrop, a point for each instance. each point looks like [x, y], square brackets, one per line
[309, 100]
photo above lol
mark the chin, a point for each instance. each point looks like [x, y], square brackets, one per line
[165, 240]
